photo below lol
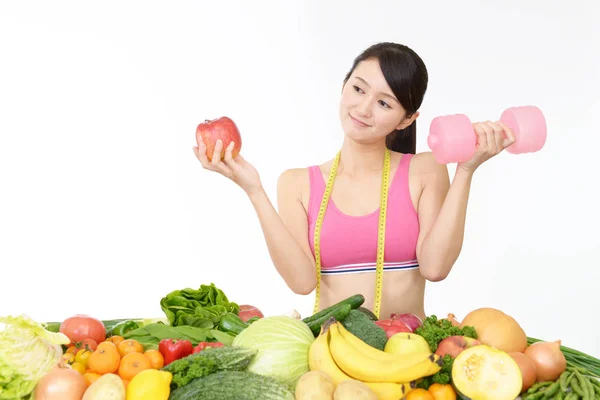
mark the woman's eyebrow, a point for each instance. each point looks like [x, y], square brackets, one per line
[382, 93]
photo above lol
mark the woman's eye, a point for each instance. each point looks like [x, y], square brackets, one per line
[383, 103]
[357, 89]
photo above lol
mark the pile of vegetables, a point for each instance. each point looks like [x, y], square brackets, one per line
[211, 344]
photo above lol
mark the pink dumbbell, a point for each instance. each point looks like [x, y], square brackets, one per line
[452, 138]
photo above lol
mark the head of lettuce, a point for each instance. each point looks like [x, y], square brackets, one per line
[27, 352]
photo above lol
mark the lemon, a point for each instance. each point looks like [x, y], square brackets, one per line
[150, 384]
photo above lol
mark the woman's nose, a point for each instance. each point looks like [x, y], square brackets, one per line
[364, 107]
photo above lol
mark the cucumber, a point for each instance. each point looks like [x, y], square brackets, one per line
[354, 301]
[233, 385]
[339, 314]
[232, 323]
[229, 358]
[368, 313]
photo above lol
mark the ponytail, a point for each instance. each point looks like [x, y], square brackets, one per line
[403, 141]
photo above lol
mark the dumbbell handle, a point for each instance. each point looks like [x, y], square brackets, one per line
[452, 138]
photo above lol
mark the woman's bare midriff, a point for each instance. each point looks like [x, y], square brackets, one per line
[402, 291]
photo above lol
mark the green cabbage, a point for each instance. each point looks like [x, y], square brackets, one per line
[282, 343]
[27, 353]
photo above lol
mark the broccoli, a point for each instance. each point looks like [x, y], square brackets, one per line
[188, 368]
[365, 329]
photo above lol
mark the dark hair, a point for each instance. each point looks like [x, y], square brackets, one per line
[406, 74]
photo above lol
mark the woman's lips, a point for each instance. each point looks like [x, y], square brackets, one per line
[358, 122]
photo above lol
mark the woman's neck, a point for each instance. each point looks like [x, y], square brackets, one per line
[358, 160]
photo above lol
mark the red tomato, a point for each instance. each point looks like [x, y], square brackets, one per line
[80, 327]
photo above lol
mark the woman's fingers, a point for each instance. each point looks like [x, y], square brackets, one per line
[492, 131]
[228, 159]
[200, 152]
[481, 135]
[509, 136]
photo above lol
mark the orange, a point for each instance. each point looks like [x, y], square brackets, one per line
[125, 383]
[130, 346]
[115, 339]
[132, 364]
[420, 394]
[91, 377]
[104, 359]
[156, 358]
[442, 392]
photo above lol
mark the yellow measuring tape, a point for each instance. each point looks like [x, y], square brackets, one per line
[380, 234]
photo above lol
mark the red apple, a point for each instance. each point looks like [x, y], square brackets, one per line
[392, 326]
[248, 311]
[409, 319]
[454, 345]
[221, 128]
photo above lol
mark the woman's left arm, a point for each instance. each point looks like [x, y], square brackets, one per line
[442, 208]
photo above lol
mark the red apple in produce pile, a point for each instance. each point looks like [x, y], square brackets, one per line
[409, 319]
[454, 345]
[248, 311]
[222, 128]
[393, 325]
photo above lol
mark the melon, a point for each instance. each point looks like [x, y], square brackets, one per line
[482, 372]
[497, 329]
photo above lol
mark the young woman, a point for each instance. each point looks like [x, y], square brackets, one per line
[425, 214]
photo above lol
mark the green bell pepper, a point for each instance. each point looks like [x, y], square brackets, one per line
[123, 327]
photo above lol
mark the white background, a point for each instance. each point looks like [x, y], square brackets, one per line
[104, 208]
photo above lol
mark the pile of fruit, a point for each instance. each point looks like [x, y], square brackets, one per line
[207, 347]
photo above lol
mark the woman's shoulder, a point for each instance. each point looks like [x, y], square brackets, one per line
[425, 163]
[295, 183]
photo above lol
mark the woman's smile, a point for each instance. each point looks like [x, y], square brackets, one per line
[358, 122]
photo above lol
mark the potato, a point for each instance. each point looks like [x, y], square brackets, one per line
[315, 385]
[107, 387]
[353, 390]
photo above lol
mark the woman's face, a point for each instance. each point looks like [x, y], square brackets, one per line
[369, 111]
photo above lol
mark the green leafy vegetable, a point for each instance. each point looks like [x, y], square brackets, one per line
[283, 343]
[201, 307]
[189, 368]
[443, 376]
[435, 330]
[27, 352]
[150, 335]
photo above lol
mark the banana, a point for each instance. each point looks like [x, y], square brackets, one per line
[391, 391]
[371, 351]
[404, 368]
[319, 359]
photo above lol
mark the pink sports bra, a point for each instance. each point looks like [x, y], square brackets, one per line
[349, 243]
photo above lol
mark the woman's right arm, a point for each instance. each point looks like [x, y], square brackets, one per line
[286, 232]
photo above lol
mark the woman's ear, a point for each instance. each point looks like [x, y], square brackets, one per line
[407, 121]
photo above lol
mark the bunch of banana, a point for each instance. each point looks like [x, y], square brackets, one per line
[343, 356]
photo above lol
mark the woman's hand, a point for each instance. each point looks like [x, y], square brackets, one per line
[492, 139]
[238, 170]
